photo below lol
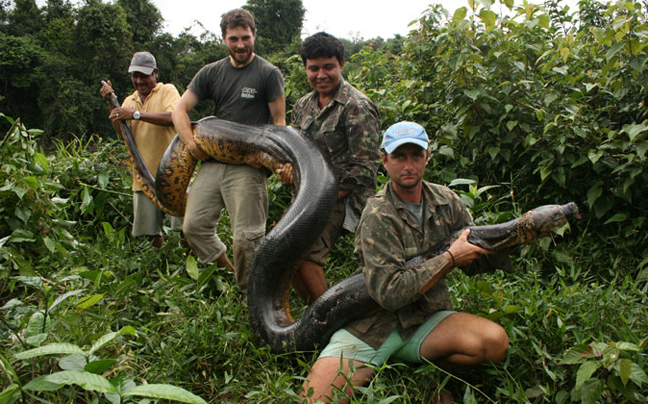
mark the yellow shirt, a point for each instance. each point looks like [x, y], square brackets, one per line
[152, 140]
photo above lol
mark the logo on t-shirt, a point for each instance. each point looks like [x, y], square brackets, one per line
[247, 92]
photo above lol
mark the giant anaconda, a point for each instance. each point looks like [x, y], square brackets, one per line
[302, 222]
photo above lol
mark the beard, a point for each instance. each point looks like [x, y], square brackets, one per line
[241, 58]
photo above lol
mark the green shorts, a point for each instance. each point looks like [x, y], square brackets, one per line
[345, 345]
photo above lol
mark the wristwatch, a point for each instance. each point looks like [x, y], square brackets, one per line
[136, 115]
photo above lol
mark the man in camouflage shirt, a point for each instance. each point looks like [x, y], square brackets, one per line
[345, 125]
[416, 324]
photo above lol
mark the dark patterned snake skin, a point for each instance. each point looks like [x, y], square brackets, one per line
[316, 195]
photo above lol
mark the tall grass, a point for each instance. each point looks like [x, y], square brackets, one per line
[191, 323]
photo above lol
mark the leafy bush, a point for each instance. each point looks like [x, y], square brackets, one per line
[550, 107]
[32, 230]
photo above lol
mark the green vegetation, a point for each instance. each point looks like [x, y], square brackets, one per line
[536, 106]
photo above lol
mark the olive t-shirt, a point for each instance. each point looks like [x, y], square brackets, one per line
[240, 94]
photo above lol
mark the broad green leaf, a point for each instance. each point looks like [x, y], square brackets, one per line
[551, 97]
[594, 193]
[582, 160]
[30, 281]
[86, 201]
[73, 362]
[59, 348]
[535, 392]
[109, 231]
[472, 94]
[31, 181]
[489, 18]
[104, 179]
[50, 244]
[619, 217]
[206, 275]
[64, 296]
[512, 308]
[486, 189]
[38, 324]
[619, 22]
[86, 380]
[561, 69]
[643, 275]
[165, 391]
[628, 346]
[614, 49]
[641, 152]
[109, 337]
[610, 355]
[561, 397]
[57, 200]
[8, 370]
[638, 375]
[485, 288]
[98, 367]
[22, 236]
[37, 339]
[461, 181]
[591, 391]
[633, 130]
[89, 301]
[4, 240]
[576, 354]
[41, 384]
[585, 372]
[192, 267]
[625, 370]
[446, 150]
[459, 14]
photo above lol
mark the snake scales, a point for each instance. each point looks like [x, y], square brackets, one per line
[316, 195]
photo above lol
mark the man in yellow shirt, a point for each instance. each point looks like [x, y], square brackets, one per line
[148, 111]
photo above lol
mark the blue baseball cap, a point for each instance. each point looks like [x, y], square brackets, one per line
[404, 132]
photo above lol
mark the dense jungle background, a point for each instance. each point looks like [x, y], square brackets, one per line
[527, 104]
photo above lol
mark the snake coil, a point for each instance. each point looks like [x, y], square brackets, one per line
[302, 222]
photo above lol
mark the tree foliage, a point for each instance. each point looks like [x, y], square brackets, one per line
[554, 107]
[54, 58]
[278, 22]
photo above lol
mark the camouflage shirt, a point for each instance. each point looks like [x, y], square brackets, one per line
[347, 131]
[388, 235]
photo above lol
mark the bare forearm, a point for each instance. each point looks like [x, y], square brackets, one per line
[182, 125]
[157, 118]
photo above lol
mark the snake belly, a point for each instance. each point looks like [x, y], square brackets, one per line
[301, 223]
